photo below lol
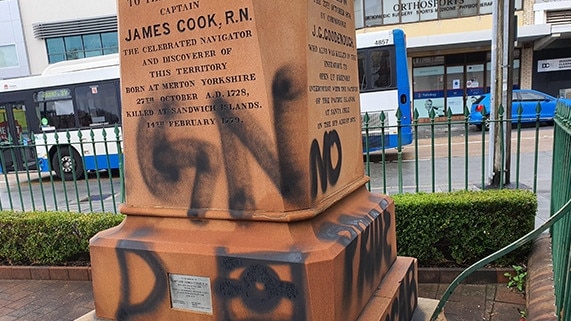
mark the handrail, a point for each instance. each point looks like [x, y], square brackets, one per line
[521, 241]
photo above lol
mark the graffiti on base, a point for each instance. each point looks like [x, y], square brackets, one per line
[405, 302]
[271, 285]
[128, 309]
[254, 285]
[372, 250]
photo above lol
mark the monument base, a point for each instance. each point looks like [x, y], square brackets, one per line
[326, 268]
[391, 301]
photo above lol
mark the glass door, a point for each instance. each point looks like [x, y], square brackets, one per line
[474, 83]
[15, 138]
[455, 89]
[428, 92]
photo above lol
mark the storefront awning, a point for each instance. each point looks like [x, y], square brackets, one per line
[542, 35]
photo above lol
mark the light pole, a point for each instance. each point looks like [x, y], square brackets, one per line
[503, 36]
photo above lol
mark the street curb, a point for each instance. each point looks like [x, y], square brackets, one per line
[447, 275]
[65, 273]
[83, 273]
[540, 291]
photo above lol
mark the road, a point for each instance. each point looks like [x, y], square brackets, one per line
[99, 193]
[457, 140]
[452, 169]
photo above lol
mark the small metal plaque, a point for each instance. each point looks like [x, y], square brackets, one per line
[190, 293]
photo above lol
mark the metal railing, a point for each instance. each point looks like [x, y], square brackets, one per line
[447, 153]
[557, 218]
[29, 183]
[560, 196]
[559, 222]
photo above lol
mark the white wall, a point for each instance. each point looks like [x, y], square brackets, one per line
[11, 36]
[43, 11]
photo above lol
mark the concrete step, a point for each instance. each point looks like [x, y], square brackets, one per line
[424, 310]
[396, 298]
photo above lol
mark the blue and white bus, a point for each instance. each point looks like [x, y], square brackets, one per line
[80, 97]
[385, 87]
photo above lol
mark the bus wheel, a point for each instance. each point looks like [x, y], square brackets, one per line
[67, 163]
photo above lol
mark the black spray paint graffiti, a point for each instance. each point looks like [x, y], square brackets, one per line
[372, 249]
[255, 284]
[404, 304]
[168, 160]
[287, 88]
[128, 309]
[163, 171]
[322, 164]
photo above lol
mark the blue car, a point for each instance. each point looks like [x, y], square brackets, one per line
[528, 100]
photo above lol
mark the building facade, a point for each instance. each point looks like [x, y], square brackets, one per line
[38, 33]
[449, 46]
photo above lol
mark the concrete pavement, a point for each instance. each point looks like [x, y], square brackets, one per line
[475, 302]
[34, 300]
[46, 300]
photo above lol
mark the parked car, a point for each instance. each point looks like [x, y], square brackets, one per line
[528, 100]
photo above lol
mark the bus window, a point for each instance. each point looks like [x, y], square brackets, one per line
[362, 76]
[97, 104]
[59, 114]
[55, 109]
[381, 68]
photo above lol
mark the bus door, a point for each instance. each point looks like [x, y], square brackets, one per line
[15, 138]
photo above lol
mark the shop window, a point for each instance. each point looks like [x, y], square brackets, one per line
[428, 90]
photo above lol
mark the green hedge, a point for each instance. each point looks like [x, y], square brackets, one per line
[440, 229]
[460, 228]
[49, 238]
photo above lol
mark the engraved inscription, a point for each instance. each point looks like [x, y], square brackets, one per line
[187, 57]
[332, 89]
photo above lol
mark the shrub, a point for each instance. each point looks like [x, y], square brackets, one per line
[49, 238]
[440, 229]
[460, 228]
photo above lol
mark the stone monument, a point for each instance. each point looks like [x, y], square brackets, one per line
[245, 192]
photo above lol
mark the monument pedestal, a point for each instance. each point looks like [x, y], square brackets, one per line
[326, 268]
[245, 194]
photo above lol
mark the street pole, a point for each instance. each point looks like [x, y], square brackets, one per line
[494, 160]
[501, 91]
[509, 40]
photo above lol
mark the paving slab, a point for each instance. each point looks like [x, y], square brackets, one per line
[46, 300]
[470, 302]
[49, 300]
